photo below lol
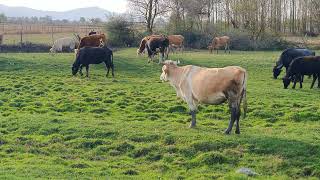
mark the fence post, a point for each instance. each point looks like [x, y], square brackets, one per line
[21, 29]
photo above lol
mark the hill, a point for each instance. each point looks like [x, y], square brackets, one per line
[90, 12]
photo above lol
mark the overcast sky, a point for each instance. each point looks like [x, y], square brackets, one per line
[63, 5]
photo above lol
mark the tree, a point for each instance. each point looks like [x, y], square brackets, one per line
[149, 10]
[3, 18]
[120, 31]
[82, 20]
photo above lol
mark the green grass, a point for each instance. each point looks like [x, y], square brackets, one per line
[56, 126]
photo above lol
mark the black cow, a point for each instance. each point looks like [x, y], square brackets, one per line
[286, 58]
[308, 65]
[92, 32]
[93, 55]
[154, 43]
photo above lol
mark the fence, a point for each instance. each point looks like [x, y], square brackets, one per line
[42, 33]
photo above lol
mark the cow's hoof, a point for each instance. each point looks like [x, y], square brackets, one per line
[237, 132]
[227, 132]
[192, 126]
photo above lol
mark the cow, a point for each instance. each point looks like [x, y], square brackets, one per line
[92, 32]
[218, 42]
[209, 86]
[155, 43]
[93, 55]
[176, 42]
[66, 42]
[94, 40]
[142, 46]
[307, 65]
[286, 58]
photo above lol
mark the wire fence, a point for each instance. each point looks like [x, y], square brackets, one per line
[43, 33]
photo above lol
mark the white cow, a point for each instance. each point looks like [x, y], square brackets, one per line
[209, 86]
[64, 42]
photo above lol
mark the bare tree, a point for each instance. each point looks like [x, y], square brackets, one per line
[149, 10]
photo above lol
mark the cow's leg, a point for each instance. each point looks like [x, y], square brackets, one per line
[301, 80]
[107, 68]
[294, 82]
[318, 76]
[112, 70]
[80, 72]
[225, 48]
[238, 120]
[313, 80]
[193, 118]
[233, 111]
[229, 48]
[87, 70]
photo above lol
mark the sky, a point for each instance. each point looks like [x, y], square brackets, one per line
[64, 5]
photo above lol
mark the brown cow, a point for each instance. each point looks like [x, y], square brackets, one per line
[218, 42]
[93, 41]
[209, 86]
[176, 42]
[143, 42]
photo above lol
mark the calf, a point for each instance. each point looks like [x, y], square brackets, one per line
[286, 58]
[209, 86]
[308, 65]
[93, 55]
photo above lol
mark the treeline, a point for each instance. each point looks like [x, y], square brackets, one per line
[252, 24]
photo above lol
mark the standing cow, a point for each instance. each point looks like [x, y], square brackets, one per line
[209, 86]
[286, 58]
[218, 42]
[142, 46]
[175, 42]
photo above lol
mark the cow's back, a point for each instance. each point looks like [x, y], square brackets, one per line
[290, 54]
[212, 82]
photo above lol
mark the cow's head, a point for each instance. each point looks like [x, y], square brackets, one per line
[276, 72]
[102, 43]
[165, 73]
[139, 53]
[286, 82]
[74, 69]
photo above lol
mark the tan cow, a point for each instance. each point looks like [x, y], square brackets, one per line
[209, 86]
[218, 42]
[176, 42]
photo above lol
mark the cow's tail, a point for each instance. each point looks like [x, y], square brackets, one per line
[244, 95]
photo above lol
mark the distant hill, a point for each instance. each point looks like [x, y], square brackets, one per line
[90, 12]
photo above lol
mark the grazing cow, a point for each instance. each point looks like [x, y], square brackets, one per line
[94, 40]
[176, 42]
[209, 86]
[218, 42]
[142, 46]
[93, 55]
[155, 43]
[307, 65]
[1, 38]
[286, 58]
[66, 42]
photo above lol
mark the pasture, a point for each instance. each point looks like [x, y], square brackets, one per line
[54, 125]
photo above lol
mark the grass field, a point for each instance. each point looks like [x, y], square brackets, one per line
[56, 126]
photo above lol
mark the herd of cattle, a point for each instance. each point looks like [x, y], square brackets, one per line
[196, 84]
